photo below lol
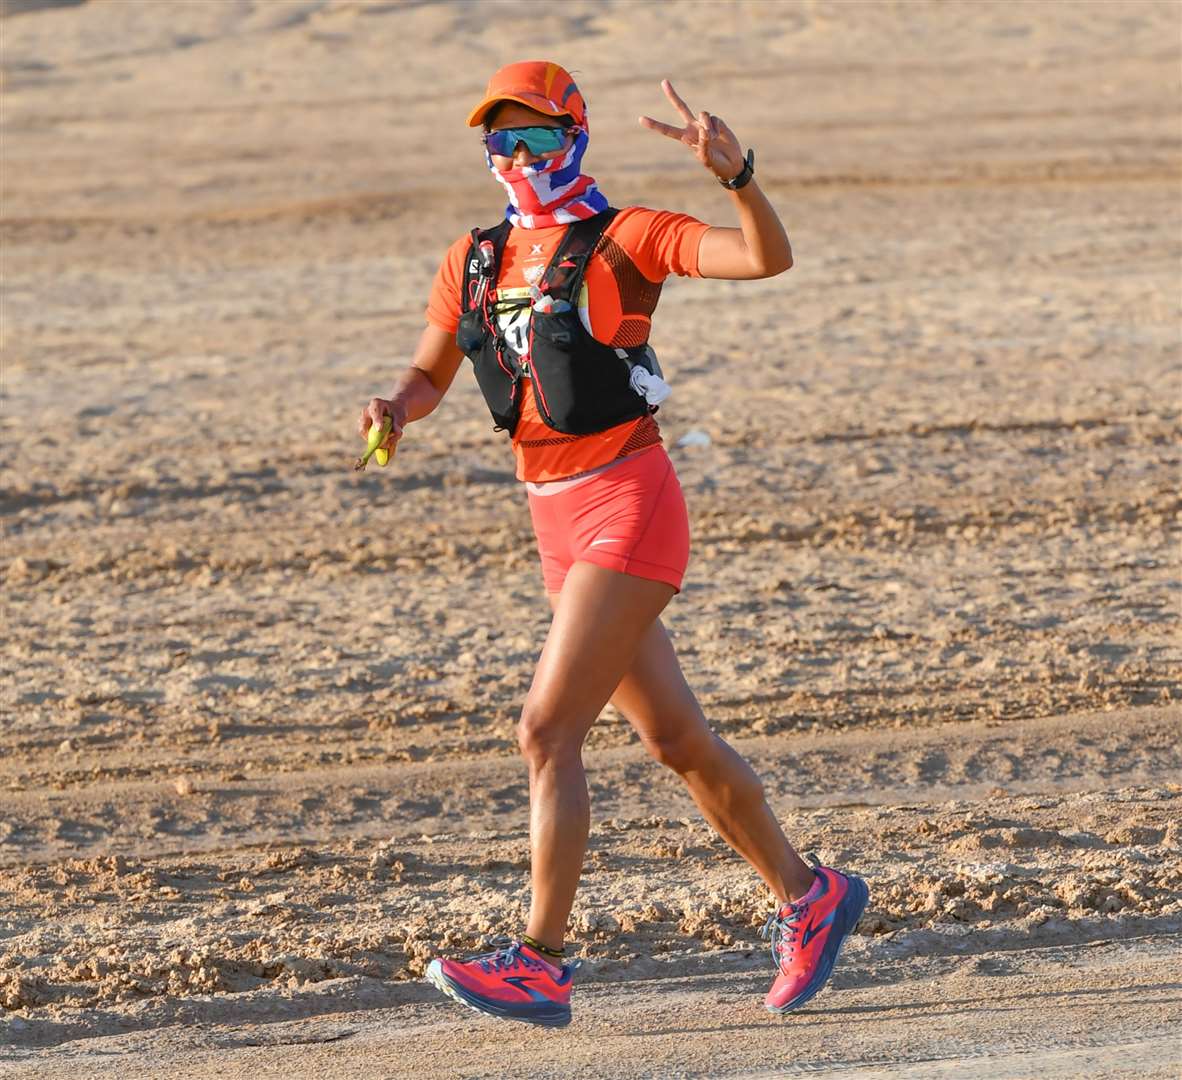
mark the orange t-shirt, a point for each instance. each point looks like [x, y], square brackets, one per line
[638, 250]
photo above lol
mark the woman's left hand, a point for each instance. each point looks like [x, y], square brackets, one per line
[713, 143]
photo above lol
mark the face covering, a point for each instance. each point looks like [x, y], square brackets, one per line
[551, 192]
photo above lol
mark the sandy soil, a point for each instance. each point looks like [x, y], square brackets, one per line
[257, 761]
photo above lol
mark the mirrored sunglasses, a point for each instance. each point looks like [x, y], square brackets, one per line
[538, 140]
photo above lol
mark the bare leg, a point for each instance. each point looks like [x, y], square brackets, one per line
[659, 704]
[600, 618]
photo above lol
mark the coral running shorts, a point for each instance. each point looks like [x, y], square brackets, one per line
[629, 516]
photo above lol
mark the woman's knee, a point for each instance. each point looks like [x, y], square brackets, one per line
[544, 736]
[682, 749]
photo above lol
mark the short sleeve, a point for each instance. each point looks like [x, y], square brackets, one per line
[445, 303]
[660, 242]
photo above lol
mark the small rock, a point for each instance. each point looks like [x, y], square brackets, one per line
[66, 746]
[184, 786]
[384, 865]
[22, 569]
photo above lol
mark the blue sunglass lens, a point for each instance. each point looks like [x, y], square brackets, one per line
[538, 140]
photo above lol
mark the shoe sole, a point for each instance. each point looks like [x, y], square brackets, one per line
[560, 1017]
[861, 896]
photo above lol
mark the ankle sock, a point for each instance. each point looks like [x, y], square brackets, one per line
[555, 956]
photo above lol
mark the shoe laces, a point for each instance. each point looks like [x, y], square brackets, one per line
[782, 927]
[505, 956]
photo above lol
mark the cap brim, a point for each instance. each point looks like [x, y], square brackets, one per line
[530, 101]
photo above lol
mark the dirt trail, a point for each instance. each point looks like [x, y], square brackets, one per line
[1010, 863]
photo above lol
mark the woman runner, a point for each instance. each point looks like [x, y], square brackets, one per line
[554, 307]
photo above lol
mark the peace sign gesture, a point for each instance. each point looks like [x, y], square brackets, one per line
[713, 143]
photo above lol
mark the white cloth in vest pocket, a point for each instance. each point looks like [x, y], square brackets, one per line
[648, 384]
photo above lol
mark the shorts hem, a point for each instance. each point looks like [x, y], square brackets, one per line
[637, 568]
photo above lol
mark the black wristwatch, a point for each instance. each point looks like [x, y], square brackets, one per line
[745, 173]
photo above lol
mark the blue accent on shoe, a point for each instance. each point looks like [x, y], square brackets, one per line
[522, 983]
[814, 929]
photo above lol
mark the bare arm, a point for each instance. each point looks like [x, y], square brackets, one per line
[420, 388]
[759, 246]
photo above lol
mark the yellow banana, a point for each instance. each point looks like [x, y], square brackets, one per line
[377, 436]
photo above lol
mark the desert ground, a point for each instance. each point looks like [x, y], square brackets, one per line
[257, 754]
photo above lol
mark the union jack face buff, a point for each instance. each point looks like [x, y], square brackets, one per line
[553, 191]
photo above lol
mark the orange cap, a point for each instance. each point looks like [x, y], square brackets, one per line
[537, 84]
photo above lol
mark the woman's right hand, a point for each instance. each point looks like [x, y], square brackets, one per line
[373, 414]
[418, 389]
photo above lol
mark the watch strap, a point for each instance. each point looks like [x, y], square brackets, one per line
[745, 173]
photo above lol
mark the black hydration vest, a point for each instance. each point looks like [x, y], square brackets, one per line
[581, 386]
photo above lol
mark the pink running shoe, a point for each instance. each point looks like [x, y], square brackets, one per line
[512, 982]
[807, 936]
